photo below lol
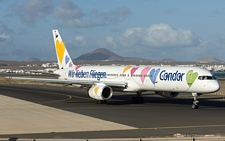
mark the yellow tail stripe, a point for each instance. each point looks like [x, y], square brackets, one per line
[60, 49]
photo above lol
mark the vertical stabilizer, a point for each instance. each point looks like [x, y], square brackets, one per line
[63, 57]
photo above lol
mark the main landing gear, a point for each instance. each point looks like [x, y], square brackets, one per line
[138, 98]
[100, 101]
[195, 102]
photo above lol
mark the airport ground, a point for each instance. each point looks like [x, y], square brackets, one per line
[44, 111]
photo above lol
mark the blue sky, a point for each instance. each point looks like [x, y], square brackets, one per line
[152, 29]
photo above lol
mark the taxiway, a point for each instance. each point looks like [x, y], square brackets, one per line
[157, 117]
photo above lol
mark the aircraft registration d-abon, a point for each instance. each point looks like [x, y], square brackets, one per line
[102, 81]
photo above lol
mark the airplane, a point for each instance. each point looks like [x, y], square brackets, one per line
[102, 81]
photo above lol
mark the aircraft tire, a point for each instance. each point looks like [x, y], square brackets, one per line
[194, 106]
[137, 100]
[100, 101]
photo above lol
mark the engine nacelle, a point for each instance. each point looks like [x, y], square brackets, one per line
[100, 92]
[167, 94]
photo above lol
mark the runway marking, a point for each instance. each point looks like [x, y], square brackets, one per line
[70, 96]
[136, 128]
[175, 127]
[183, 127]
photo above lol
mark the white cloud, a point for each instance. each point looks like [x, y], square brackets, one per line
[33, 10]
[79, 38]
[72, 23]
[133, 32]
[108, 42]
[157, 37]
[68, 11]
[81, 41]
[6, 44]
[161, 35]
[73, 16]
[214, 47]
[112, 17]
[157, 41]
[4, 37]
[109, 39]
[5, 34]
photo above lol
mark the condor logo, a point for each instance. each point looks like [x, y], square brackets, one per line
[171, 76]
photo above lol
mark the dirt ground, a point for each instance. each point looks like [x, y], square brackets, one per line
[4, 80]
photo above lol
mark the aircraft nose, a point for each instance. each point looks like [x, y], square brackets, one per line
[215, 86]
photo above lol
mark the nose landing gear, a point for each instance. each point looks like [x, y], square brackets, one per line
[195, 102]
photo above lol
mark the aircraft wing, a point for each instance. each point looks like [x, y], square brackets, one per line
[70, 82]
[48, 73]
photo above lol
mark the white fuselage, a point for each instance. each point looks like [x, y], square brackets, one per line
[147, 78]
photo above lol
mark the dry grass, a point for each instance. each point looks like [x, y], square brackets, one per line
[4, 80]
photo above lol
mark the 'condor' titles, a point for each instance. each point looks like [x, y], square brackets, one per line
[171, 76]
[86, 74]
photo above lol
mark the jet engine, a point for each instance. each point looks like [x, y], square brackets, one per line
[100, 92]
[167, 94]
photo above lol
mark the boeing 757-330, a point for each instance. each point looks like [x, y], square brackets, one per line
[102, 81]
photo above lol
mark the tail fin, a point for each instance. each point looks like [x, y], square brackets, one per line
[63, 57]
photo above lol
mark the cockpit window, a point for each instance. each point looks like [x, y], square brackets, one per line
[207, 77]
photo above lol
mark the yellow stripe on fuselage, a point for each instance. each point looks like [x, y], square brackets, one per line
[126, 68]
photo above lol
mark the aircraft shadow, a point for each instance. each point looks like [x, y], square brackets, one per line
[127, 99]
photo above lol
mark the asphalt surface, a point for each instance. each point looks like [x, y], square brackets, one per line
[156, 117]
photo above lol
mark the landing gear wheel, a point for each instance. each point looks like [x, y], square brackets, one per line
[104, 101]
[134, 100]
[141, 100]
[194, 106]
[195, 102]
[96, 101]
[137, 100]
[100, 101]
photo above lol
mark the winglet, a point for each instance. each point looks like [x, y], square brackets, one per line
[63, 57]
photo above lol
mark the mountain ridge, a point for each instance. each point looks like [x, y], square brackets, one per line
[102, 54]
[209, 59]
